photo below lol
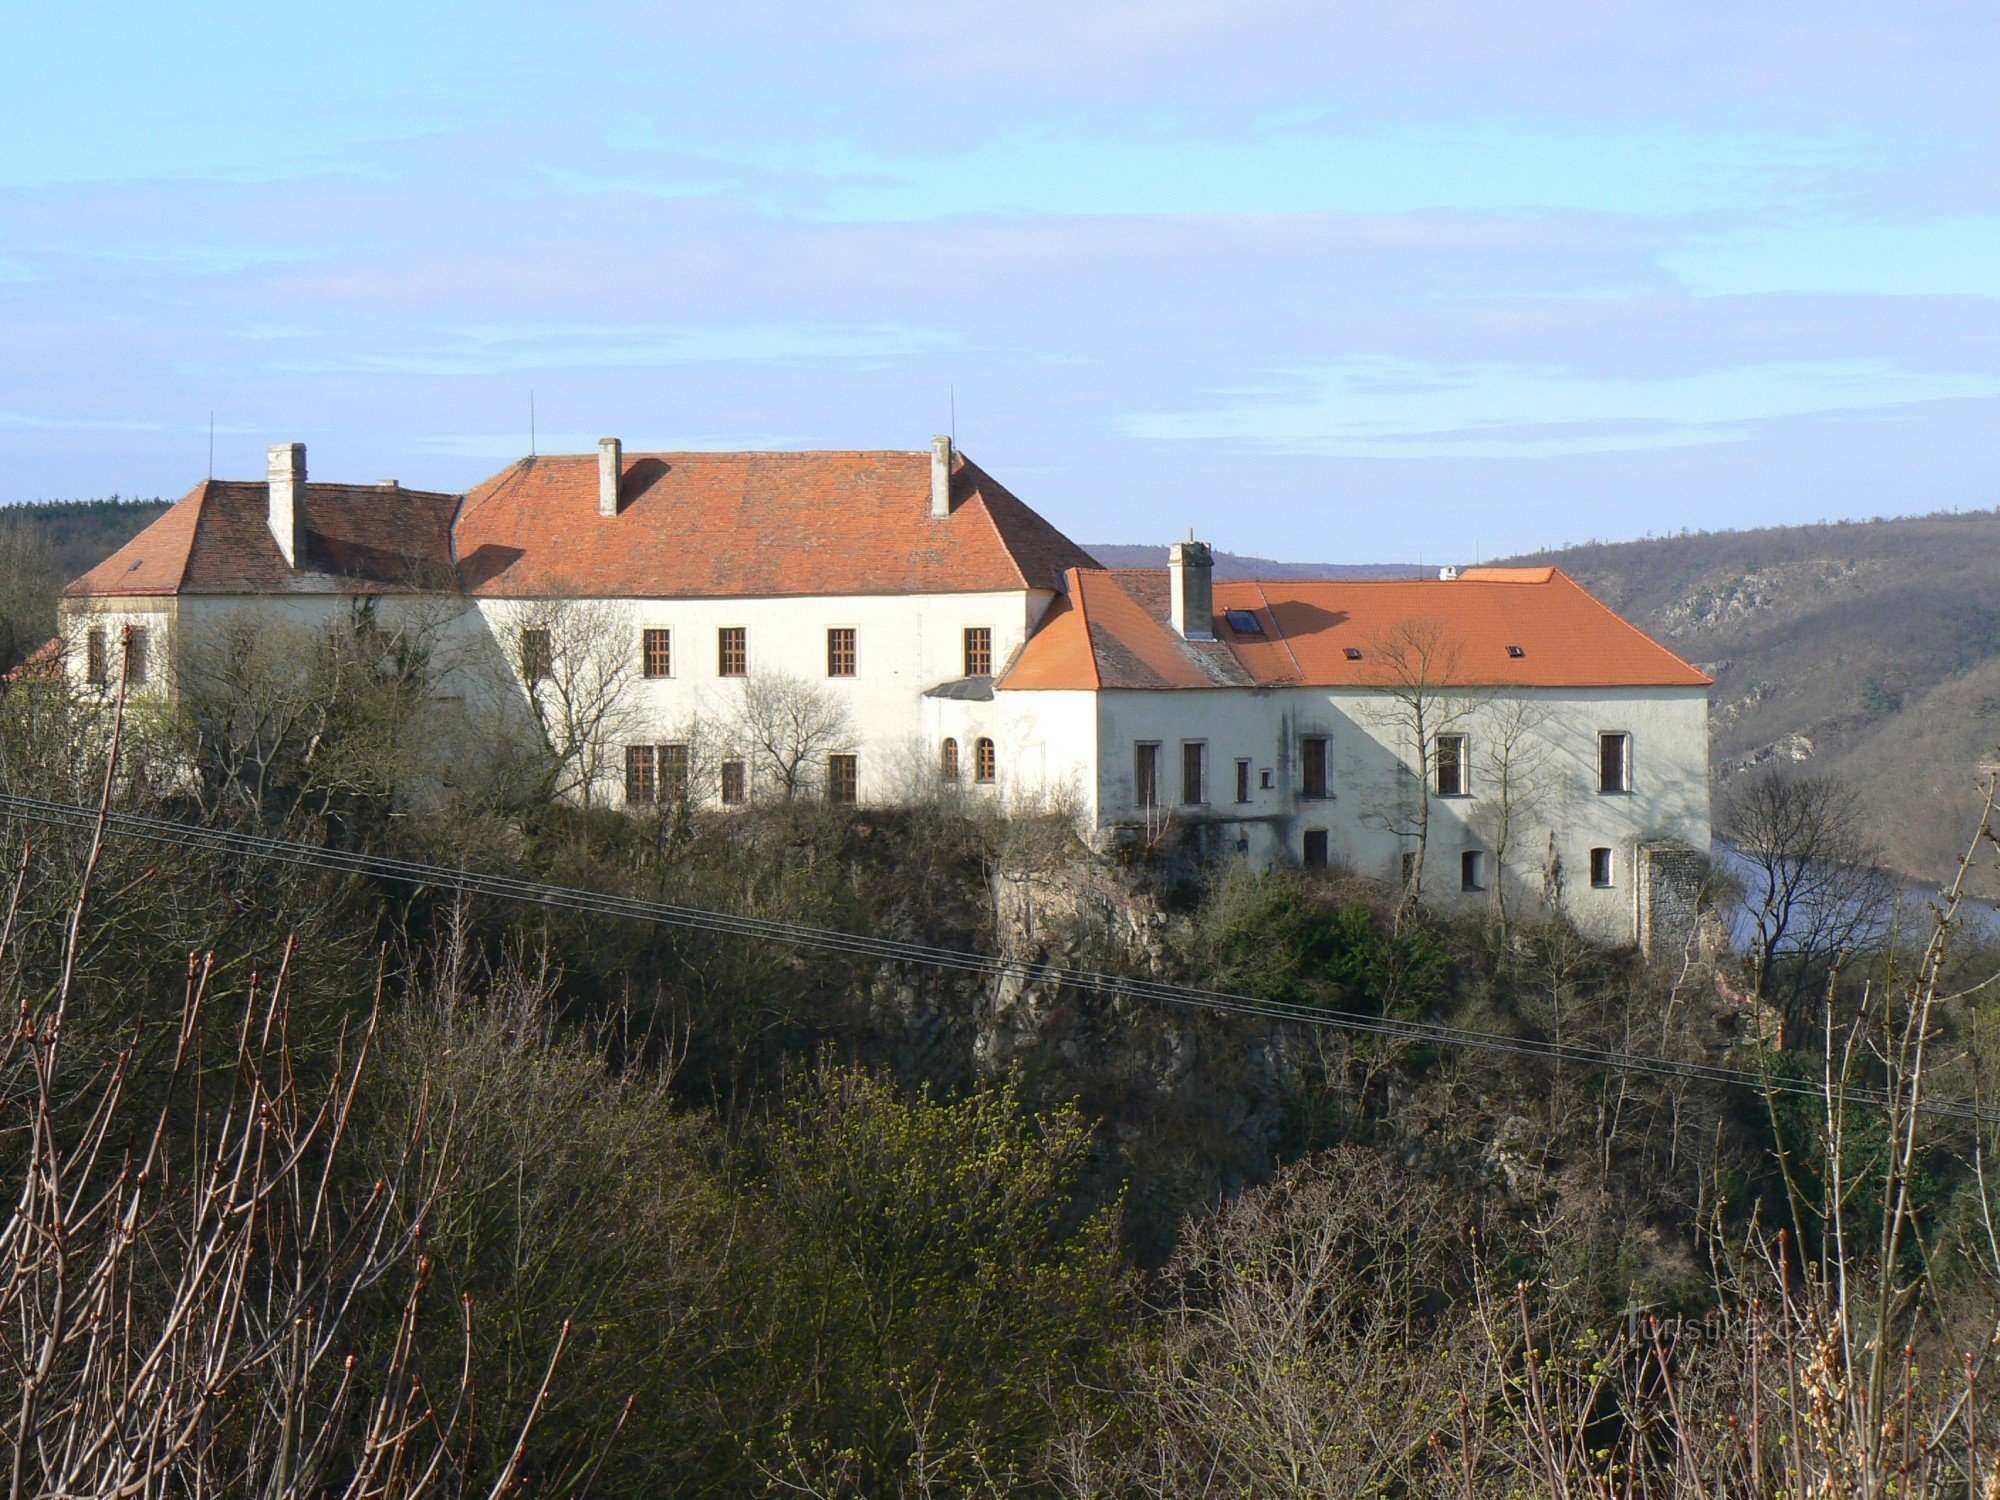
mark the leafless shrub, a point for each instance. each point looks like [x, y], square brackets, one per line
[788, 727]
[191, 1272]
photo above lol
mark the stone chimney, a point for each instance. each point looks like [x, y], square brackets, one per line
[610, 471]
[287, 473]
[1191, 582]
[940, 476]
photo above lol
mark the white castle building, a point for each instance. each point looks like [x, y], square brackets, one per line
[1501, 721]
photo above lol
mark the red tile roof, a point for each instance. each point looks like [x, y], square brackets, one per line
[718, 525]
[1112, 631]
[217, 539]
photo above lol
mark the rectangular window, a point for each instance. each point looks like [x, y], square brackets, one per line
[1194, 773]
[673, 773]
[1614, 762]
[1312, 757]
[732, 651]
[136, 642]
[97, 658]
[1146, 774]
[843, 779]
[735, 783]
[1452, 777]
[1600, 868]
[840, 651]
[640, 786]
[1472, 870]
[656, 652]
[537, 657]
[1315, 849]
[979, 651]
[1409, 868]
[1243, 781]
[1264, 779]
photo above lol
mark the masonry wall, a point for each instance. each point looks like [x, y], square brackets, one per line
[1551, 800]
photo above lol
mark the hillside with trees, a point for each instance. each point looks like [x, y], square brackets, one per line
[337, 1183]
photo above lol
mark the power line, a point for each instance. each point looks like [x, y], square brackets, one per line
[953, 960]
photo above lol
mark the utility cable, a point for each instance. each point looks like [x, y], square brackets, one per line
[954, 960]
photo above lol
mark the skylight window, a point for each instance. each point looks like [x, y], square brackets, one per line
[1516, 652]
[1244, 621]
[1354, 653]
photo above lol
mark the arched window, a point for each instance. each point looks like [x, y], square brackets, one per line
[949, 766]
[982, 760]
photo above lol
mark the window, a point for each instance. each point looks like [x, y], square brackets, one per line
[1472, 870]
[1409, 868]
[1244, 621]
[97, 658]
[840, 651]
[1194, 773]
[1315, 849]
[1452, 780]
[979, 651]
[735, 783]
[136, 641]
[1146, 775]
[537, 656]
[1243, 781]
[984, 762]
[1515, 653]
[1352, 653]
[732, 651]
[673, 773]
[1264, 779]
[1312, 755]
[843, 778]
[656, 652]
[1600, 868]
[640, 786]
[1614, 762]
[948, 766]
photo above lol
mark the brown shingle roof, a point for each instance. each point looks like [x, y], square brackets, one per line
[1115, 633]
[715, 525]
[217, 540]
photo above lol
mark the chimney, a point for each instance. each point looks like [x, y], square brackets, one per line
[1447, 574]
[940, 476]
[610, 470]
[287, 473]
[1191, 581]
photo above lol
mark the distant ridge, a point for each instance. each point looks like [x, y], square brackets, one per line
[1236, 565]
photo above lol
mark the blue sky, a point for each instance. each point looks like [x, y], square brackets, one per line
[1333, 281]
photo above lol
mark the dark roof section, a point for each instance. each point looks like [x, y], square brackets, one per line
[368, 539]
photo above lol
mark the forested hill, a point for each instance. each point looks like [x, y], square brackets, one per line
[1870, 649]
[1236, 565]
[80, 534]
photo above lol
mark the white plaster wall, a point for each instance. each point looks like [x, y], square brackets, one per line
[1045, 746]
[1372, 782]
[903, 645]
[158, 616]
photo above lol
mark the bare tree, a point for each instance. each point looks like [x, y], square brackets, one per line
[188, 1263]
[788, 727]
[1511, 755]
[28, 585]
[573, 661]
[1419, 699]
[1814, 892]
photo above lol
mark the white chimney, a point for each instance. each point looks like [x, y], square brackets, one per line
[940, 476]
[610, 470]
[287, 475]
[1191, 582]
[1447, 574]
